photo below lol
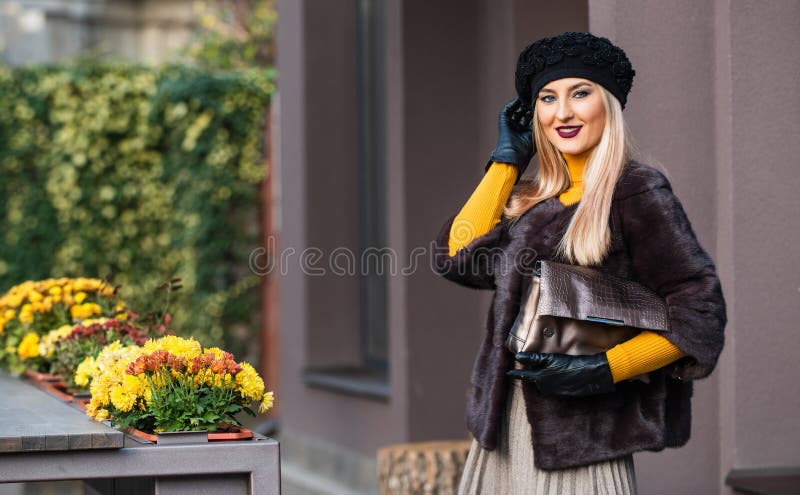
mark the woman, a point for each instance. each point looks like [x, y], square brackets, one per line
[554, 423]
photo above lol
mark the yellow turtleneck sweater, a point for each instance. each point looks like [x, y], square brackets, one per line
[575, 165]
[647, 351]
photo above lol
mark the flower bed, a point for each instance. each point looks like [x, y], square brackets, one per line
[79, 331]
[85, 341]
[32, 309]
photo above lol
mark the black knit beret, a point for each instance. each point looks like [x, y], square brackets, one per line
[573, 55]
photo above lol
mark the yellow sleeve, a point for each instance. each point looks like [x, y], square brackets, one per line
[646, 352]
[484, 207]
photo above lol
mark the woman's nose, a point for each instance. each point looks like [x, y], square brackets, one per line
[564, 112]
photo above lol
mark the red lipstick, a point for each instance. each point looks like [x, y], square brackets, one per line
[568, 131]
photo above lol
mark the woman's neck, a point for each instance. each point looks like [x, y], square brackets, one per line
[575, 164]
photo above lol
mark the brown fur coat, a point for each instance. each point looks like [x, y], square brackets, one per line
[653, 243]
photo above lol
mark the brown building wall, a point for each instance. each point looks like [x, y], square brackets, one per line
[328, 437]
[440, 137]
[762, 206]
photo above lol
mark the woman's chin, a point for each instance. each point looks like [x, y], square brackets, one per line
[572, 150]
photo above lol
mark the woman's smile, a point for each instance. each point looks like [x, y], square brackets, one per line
[568, 131]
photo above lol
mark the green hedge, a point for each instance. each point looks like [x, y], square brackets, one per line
[146, 173]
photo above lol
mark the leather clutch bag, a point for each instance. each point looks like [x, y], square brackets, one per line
[577, 310]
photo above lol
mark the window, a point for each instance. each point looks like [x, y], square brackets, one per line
[372, 181]
[368, 375]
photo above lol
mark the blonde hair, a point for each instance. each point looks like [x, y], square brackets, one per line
[588, 235]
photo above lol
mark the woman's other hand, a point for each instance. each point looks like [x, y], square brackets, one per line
[514, 136]
[562, 374]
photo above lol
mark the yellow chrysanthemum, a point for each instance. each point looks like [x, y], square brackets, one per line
[109, 372]
[216, 351]
[267, 402]
[147, 392]
[26, 316]
[160, 380]
[95, 410]
[100, 388]
[124, 395]
[47, 344]
[248, 383]
[132, 385]
[185, 348]
[84, 371]
[85, 310]
[109, 353]
[204, 377]
[29, 347]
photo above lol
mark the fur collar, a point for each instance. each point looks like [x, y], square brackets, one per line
[637, 178]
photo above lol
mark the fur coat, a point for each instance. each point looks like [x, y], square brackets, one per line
[652, 243]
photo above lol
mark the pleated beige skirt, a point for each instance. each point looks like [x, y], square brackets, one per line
[509, 469]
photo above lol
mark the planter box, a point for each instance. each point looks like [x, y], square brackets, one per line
[177, 437]
[58, 389]
[41, 377]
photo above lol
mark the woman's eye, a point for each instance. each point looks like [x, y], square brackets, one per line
[547, 98]
[581, 94]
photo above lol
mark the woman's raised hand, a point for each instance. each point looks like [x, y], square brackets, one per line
[514, 136]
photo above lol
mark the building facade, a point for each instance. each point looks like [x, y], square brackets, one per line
[384, 102]
[35, 31]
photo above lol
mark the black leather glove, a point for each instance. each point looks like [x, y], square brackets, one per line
[514, 137]
[562, 374]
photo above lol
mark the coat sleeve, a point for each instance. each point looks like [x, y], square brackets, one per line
[668, 259]
[476, 264]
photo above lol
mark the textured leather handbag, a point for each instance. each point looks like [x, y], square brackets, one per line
[577, 310]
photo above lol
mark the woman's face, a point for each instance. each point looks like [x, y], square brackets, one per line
[572, 114]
